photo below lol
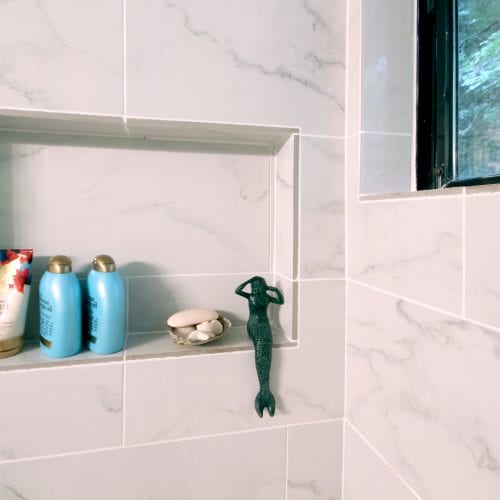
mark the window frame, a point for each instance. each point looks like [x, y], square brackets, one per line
[436, 121]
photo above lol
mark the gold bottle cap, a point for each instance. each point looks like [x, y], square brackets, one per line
[59, 264]
[104, 264]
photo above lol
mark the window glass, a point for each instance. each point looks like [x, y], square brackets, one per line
[478, 88]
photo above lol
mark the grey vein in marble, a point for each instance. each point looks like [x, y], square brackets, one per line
[278, 71]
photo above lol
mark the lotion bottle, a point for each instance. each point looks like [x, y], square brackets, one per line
[105, 307]
[60, 309]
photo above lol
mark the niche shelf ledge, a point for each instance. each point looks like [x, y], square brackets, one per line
[142, 128]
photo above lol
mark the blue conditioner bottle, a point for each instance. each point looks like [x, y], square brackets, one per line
[60, 309]
[105, 307]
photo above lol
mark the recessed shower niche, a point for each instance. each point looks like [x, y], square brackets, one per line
[188, 211]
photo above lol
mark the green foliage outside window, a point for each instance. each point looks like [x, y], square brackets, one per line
[478, 89]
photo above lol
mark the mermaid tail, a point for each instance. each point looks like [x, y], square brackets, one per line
[265, 399]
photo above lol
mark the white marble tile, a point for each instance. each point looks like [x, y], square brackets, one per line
[155, 211]
[409, 247]
[322, 220]
[202, 395]
[315, 461]
[353, 123]
[420, 391]
[386, 163]
[482, 271]
[153, 299]
[285, 170]
[285, 316]
[366, 476]
[62, 55]
[251, 62]
[387, 66]
[60, 410]
[238, 467]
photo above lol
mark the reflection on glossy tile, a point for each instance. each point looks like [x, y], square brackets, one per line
[366, 477]
[250, 62]
[482, 279]
[413, 248]
[387, 48]
[60, 410]
[386, 163]
[240, 467]
[62, 55]
[418, 392]
[200, 396]
[322, 208]
[315, 461]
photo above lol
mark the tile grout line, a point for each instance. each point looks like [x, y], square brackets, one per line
[165, 441]
[298, 226]
[397, 134]
[306, 280]
[409, 196]
[124, 20]
[275, 210]
[197, 275]
[427, 306]
[286, 461]
[382, 458]
[464, 231]
[272, 202]
[124, 401]
[346, 245]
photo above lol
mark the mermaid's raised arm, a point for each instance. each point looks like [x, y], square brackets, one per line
[239, 290]
[279, 299]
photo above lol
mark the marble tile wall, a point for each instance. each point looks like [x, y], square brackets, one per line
[423, 331]
[366, 477]
[261, 61]
[62, 56]
[146, 427]
[315, 461]
[247, 466]
[141, 205]
[387, 82]
[180, 219]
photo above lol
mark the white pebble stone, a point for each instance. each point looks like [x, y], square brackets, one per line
[197, 336]
[213, 326]
[191, 317]
[184, 331]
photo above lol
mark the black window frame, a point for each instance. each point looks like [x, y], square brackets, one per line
[436, 134]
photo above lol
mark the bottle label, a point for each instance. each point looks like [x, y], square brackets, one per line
[93, 320]
[46, 323]
[15, 279]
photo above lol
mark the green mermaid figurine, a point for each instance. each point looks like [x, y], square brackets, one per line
[259, 330]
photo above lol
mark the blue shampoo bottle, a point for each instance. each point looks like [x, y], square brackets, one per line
[105, 307]
[60, 309]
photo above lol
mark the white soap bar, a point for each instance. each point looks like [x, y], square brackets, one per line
[191, 317]
[213, 326]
